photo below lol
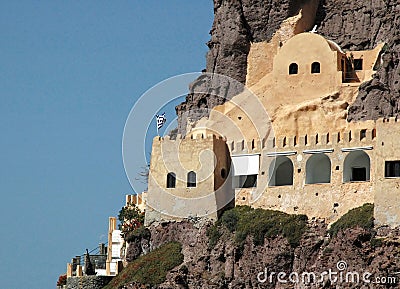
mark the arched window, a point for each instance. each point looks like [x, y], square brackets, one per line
[315, 67]
[356, 167]
[171, 180]
[318, 169]
[281, 172]
[191, 179]
[293, 68]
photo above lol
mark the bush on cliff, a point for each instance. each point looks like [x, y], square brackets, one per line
[260, 224]
[358, 217]
[151, 268]
[138, 234]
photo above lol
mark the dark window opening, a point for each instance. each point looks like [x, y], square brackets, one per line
[191, 179]
[363, 134]
[171, 180]
[293, 68]
[392, 169]
[246, 181]
[358, 174]
[315, 67]
[358, 64]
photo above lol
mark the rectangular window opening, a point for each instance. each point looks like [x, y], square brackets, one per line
[392, 169]
[358, 64]
[247, 181]
[358, 174]
[363, 134]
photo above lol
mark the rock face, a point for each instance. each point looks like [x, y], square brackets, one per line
[88, 282]
[236, 24]
[359, 25]
[223, 266]
[355, 25]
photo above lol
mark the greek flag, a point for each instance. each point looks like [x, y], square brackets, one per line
[161, 119]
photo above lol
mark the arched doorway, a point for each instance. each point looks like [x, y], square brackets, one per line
[318, 169]
[281, 172]
[356, 167]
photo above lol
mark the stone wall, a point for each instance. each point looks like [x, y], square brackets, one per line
[204, 154]
[88, 282]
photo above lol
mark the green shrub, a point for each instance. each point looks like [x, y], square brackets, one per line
[137, 234]
[230, 219]
[260, 223]
[358, 217]
[151, 268]
[213, 235]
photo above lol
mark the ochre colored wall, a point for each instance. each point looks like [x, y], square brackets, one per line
[204, 154]
[387, 191]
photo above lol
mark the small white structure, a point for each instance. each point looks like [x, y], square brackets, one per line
[115, 243]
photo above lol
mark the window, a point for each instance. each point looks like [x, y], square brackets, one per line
[363, 134]
[315, 67]
[293, 68]
[392, 169]
[318, 169]
[356, 167]
[171, 180]
[281, 172]
[249, 181]
[359, 174]
[245, 170]
[358, 64]
[191, 179]
[373, 133]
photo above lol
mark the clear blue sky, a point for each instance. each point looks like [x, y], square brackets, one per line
[70, 71]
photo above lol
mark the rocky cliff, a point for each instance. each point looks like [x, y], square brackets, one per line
[223, 265]
[354, 25]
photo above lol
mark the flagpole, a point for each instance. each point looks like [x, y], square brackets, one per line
[157, 125]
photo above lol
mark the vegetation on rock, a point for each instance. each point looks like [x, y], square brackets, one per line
[137, 234]
[151, 268]
[260, 224]
[358, 217]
